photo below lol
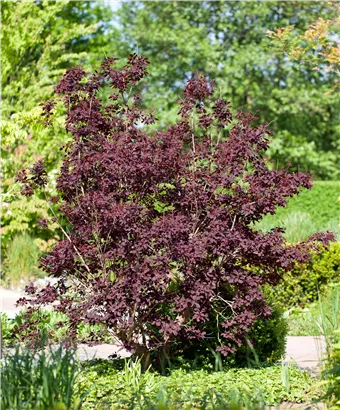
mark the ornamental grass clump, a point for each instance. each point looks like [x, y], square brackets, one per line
[161, 239]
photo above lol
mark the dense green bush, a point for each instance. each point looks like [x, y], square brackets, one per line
[265, 344]
[301, 285]
[311, 211]
[267, 340]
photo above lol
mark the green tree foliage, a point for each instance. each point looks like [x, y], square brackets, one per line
[39, 41]
[229, 41]
[316, 46]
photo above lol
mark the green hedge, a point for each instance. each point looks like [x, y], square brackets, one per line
[321, 202]
[311, 211]
[301, 286]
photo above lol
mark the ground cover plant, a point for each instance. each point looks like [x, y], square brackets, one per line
[161, 246]
[126, 384]
[52, 378]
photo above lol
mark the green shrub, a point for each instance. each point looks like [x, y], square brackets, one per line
[329, 323]
[267, 340]
[7, 336]
[265, 343]
[301, 286]
[21, 262]
[311, 211]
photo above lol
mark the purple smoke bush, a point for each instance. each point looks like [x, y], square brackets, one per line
[162, 235]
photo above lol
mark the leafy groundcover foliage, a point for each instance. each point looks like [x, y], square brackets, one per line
[161, 243]
[119, 385]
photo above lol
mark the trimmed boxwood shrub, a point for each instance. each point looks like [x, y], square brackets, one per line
[301, 285]
[268, 340]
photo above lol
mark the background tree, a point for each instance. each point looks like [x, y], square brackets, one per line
[228, 40]
[318, 46]
[39, 40]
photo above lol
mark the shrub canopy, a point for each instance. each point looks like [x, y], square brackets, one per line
[161, 223]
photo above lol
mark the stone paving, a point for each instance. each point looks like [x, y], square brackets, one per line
[304, 351]
[8, 300]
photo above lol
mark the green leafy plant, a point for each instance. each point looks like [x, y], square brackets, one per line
[52, 323]
[302, 285]
[332, 373]
[211, 400]
[43, 379]
[329, 324]
[188, 389]
[136, 378]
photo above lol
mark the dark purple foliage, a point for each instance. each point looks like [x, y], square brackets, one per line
[37, 178]
[162, 237]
